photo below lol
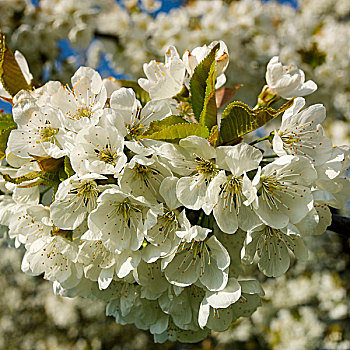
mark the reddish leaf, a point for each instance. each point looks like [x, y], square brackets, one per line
[224, 95]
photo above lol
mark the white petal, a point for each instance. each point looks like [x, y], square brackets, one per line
[199, 146]
[238, 159]
[105, 278]
[204, 310]
[224, 298]
[167, 190]
[191, 192]
[275, 260]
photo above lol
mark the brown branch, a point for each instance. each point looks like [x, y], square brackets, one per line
[100, 35]
[340, 224]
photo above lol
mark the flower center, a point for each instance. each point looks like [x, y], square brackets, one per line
[273, 193]
[168, 224]
[231, 194]
[89, 192]
[47, 134]
[144, 172]
[83, 112]
[205, 167]
[234, 185]
[125, 209]
[107, 155]
[271, 232]
[56, 231]
[136, 128]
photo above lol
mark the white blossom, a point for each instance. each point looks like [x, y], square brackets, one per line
[206, 261]
[287, 81]
[283, 195]
[192, 58]
[41, 135]
[55, 257]
[143, 177]
[301, 133]
[195, 157]
[226, 191]
[75, 198]
[119, 220]
[219, 300]
[272, 246]
[98, 150]
[164, 80]
[81, 106]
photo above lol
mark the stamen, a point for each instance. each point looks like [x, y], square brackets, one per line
[205, 167]
[47, 134]
[88, 191]
[125, 209]
[107, 155]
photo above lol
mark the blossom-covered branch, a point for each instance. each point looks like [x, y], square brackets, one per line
[153, 203]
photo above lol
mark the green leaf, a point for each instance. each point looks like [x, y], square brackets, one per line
[6, 121]
[51, 179]
[175, 133]
[198, 82]
[6, 125]
[213, 137]
[66, 171]
[44, 177]
[141, 94]
[68, 167]
[159, 125]
[208, 115]
[238, 119]
[11, 75]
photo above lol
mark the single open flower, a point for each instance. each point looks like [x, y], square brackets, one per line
[287, 82]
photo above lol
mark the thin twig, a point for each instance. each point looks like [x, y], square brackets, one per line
[340, 224]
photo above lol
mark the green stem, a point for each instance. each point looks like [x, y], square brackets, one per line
[200, 218]
[261, 139]
[265, 162]
[211, 221]
[270, 156]
[257, 106]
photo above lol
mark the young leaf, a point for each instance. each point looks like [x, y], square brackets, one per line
[175, 133]
[141, 94]
[159, 125]
[199, 80]
[48, 163]
[11, 75]
[6, 125]
[208, 115]
[238, 119]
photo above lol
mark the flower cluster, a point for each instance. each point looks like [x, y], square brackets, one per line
[307, 308]
[152, 204]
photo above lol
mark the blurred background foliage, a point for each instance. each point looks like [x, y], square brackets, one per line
[306, 309]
